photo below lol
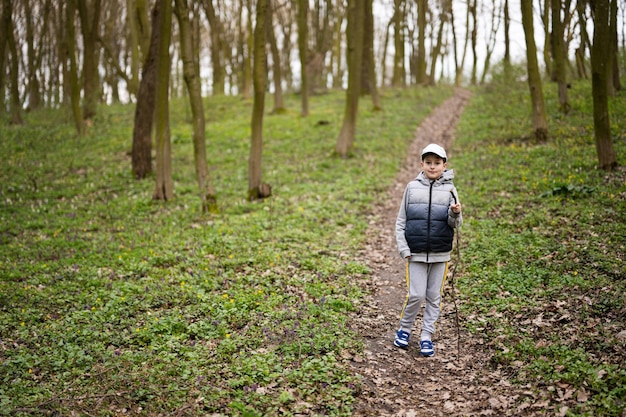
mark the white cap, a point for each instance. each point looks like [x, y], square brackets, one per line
[435, 149]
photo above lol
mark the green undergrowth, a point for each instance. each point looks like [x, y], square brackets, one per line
[543, 277]
[114, 304]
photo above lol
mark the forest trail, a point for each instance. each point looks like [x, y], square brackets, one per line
[402, 383]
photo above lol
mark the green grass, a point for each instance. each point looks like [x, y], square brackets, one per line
[543, 275]
[112, 303]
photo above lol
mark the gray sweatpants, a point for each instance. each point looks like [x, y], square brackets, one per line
[425, 282]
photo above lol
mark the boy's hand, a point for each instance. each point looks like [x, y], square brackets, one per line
[456, 208]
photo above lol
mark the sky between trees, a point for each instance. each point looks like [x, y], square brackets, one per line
[36, 24]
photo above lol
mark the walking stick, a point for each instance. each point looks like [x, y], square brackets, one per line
[452, 279]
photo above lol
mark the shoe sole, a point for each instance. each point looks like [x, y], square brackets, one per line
[400, 346]
[427, 352]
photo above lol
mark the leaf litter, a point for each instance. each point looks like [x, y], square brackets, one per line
[454, 382]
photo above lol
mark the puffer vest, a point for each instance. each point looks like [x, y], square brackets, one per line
[427, 228]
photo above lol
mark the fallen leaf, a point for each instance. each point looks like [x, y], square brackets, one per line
[448, 406]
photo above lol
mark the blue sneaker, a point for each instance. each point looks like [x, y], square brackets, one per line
[402, 339]
[426, 348]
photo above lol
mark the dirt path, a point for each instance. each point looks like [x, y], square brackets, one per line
[402, 383]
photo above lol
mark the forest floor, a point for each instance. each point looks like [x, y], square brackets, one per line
[401, 382]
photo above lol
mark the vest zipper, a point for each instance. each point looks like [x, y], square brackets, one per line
[430, 203]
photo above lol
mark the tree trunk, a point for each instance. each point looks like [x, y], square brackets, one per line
[437, 49]
[5, 26]
[164, 189]
[35, 53]
[613, 75]
[303, 40]
[547, 38]
[142, 12]
[247, 56]
[90, 25]
[133, 47]
[599, 62]
[256, 189]
[192, 81]
[474, 40]
[15, 104]
[337, 53]
[410, 40]
[421, 77]
[383, 55]
[560, 58]
[491, 43]
[461, 65]
[345, 140]
[72, 75]
[217, 47]
[581, 68]
[398, 77]
[34, 87]
[285, 16]
[144, 110]
[540, 125]
[623, 28]
[61, 70]
[368, 74]
[279, 102]
[507, 39]
[321, 35]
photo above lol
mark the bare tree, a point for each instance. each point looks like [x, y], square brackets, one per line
[459, 64]
[90, 24]
[438, 44]
[285, 17]
[337, 55]
[383, 54]
[490, 44]
[472, 6]
[144, 110]
[9, 41]
[217, 47]
[540, 124]
[164, 187]
[368, 75]
[303, 41]
[507, 38]
[600, 53]
[545, 8]
[137, 34]
[6, 25]
[584, 40]
[192, 80]
[422, 8]
[236, 35]
[614, 82]
[72, 75]
[247, 41]
[34, 49]
[345, 140]
[59, 72]
[256, 188]
[560, 57]
[398, 78]
[279, 102]
[321, 35]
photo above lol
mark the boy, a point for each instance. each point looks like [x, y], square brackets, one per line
[429, 212]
